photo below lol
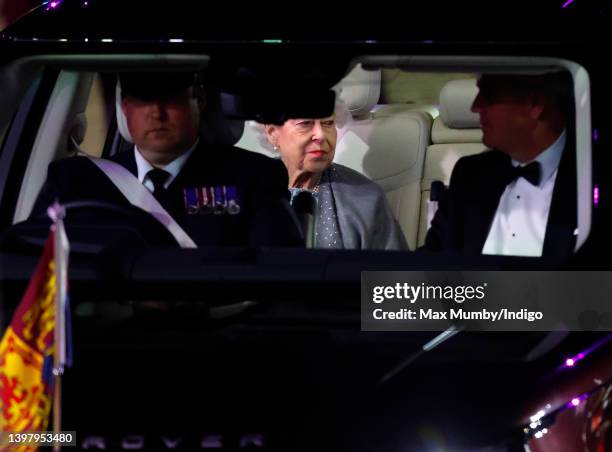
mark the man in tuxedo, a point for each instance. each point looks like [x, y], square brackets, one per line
[219, 195]
[519, 198]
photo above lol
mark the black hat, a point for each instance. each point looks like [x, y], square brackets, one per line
[155, 85]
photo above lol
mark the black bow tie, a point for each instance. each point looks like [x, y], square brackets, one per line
[159, 178]
[531, 173]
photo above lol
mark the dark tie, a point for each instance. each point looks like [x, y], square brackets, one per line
[158, 177]
[531, 173]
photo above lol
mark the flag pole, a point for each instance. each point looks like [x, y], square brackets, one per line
[57, 213]
[57, 408]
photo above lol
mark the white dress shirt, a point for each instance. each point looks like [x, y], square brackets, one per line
[519, 225]
[174, 167]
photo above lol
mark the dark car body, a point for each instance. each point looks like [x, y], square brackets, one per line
[241, 347]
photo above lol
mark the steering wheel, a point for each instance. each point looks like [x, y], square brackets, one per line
[93, 225]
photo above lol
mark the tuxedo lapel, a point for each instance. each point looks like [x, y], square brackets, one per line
[559, 240]
[488, 186]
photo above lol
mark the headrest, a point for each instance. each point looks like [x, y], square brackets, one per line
[360, 90]
[121, 119]
[254, 139]
[441, 134]
[456, 98]
[390, 148]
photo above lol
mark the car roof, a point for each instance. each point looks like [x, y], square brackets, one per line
[472, 21]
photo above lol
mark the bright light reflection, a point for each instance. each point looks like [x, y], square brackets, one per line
[536, 417]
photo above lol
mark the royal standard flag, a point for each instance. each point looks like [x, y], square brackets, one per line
[34, 346]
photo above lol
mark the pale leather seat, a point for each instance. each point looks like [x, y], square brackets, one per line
[455, 133]
[386, 143]
[253, 139]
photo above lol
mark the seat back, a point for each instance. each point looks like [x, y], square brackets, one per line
[385, 143]
[253, 139]
[455, 133]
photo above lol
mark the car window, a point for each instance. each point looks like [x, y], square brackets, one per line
[401, 129]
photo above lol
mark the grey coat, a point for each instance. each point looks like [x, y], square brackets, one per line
[353, 213]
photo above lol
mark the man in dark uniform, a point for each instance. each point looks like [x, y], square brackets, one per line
[219, 195]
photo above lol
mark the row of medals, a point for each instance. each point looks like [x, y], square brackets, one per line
[211, 200]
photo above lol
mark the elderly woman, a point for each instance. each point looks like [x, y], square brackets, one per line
[352, 211]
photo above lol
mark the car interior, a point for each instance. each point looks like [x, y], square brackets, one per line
[404, 129]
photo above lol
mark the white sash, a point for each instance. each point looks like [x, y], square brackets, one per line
[138, 195]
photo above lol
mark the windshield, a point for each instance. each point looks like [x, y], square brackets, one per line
[225, 222]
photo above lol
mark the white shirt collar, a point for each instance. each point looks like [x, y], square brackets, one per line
[549, 158]
[174, 167]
